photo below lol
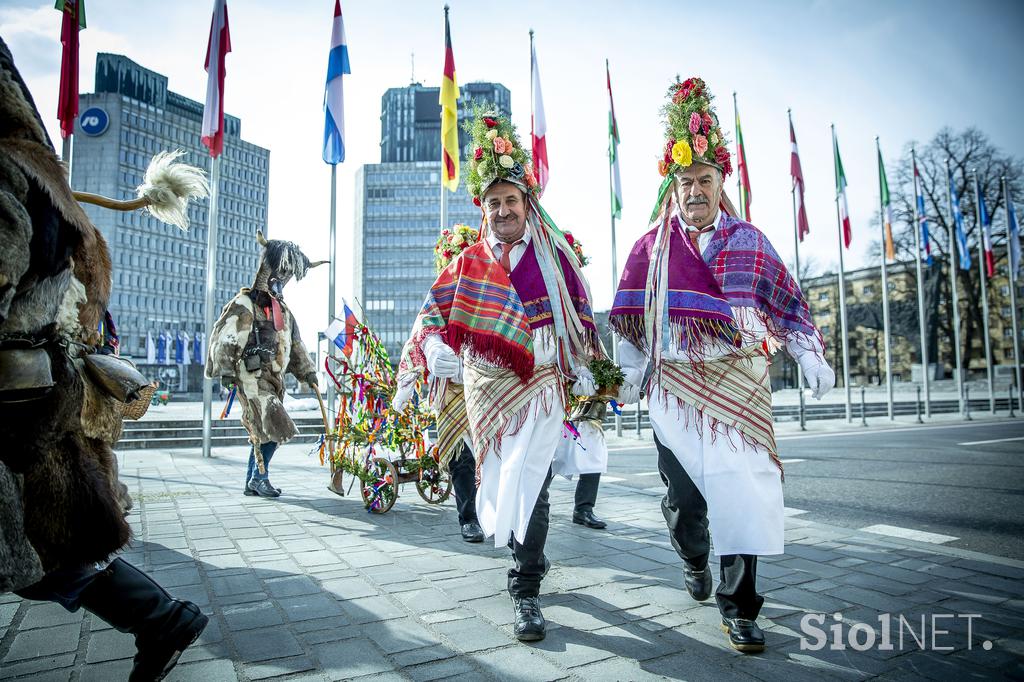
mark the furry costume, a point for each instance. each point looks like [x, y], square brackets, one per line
[255, 341]
[55, 280]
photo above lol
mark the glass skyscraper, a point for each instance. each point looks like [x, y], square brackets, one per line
[160, 271]
[398, 206]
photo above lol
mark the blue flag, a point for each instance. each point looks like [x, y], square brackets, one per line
[1014, 238]
[922, 219]
[958, 220]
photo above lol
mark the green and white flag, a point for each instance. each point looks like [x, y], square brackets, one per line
[613, 150]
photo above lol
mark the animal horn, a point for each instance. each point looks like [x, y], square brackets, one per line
[316, 263]
[260, 239]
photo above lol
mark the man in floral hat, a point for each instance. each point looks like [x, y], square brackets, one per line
[706, 299]
[512, 312]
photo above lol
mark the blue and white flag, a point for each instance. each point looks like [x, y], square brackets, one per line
[1013, 230]
[334, 101]
[958, 221]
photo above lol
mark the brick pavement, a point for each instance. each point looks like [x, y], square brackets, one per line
[311, 587]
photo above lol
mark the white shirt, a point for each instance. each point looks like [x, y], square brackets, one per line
[705, 238]
[518, 250]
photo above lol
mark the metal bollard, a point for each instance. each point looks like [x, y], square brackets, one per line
[803, 413]
[863, 414]
[638, 420]
[1010, 402]
[917, 404]
[967, 403]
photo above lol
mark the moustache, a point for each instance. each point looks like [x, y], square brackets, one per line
[697, 201]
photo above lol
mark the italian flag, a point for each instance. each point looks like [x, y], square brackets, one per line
[890, 250]
[844, 211]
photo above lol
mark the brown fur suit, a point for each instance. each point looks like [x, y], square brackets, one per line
[261, 390]
[55, 280]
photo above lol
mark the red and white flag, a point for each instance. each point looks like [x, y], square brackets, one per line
[802, 226]
[67, 99]
[538, 126]
[216, 51]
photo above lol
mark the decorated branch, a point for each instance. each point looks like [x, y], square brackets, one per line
[452, 242]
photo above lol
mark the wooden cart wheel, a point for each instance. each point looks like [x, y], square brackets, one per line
[435, 485]
[380, 493]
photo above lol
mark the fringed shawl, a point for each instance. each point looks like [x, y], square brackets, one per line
[475, 305]
[739, 268]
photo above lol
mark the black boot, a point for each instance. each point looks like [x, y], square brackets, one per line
[698, 583]
[529, 625]
[131, 601]
[744, 635]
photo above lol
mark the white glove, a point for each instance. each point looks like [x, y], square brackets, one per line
[441, 359]
[406, 387]
[633, 362]
[820, 377]
[584, 384]
[628, 394]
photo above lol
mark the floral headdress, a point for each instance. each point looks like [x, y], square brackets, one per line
[452, 242]
[692, 132]
[496, 155]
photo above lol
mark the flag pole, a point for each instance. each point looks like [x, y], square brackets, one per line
[922, 317]
[954, 298]
[796, 278]
[984, 294]
[883, 215]
[611, 197]
[842, 290]
[331, 302]
[211, 271]
[1012, 277]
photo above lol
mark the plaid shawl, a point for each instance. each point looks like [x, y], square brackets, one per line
[474, 304]
[452, 423]
[694, 310]
[741, 269]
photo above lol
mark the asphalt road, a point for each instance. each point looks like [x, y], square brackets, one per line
[963, 481]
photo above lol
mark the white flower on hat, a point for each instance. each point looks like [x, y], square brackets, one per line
[506, 161]
[492, 133]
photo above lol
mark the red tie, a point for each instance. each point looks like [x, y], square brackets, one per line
[506, 251]
[694, 234]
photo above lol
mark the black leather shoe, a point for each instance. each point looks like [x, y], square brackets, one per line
[698, 583]
[744, 635]
[588, 519]
[472, 532]
[529, 626]
[263, 488]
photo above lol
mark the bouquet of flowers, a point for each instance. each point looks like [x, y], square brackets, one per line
[452, 242]
[577, 248]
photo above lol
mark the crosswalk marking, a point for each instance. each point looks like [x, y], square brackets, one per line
[909, 534]
[792, 461]
[986, 442]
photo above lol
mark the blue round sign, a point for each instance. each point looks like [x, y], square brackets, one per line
[94, 121]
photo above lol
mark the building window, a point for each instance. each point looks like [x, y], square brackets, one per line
[823, 296]
[869, 290]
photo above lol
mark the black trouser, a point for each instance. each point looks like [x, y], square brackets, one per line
[686, 513]
[586, 492]
[524, 579]
[463, 471]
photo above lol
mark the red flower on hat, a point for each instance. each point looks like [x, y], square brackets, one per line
[490, 122]
[708, 123]
[478, 153]
[569, 238]
[721, 155]
[476, 201]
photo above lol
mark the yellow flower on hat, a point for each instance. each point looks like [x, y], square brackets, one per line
[491, 134]
[682, 154]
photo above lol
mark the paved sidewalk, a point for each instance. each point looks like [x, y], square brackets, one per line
[312, 587]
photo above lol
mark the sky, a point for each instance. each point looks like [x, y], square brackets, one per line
[898, 70]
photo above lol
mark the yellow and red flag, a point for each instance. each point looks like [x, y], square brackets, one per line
[449, 115]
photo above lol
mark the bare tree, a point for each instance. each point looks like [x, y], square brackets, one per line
[968, 152]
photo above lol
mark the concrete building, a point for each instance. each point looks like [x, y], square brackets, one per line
[398, 207]
[160, 271]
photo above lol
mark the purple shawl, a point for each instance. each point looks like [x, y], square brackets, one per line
[528, 282]
[739, 268]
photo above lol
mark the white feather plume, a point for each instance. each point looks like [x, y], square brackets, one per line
[169, 186]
